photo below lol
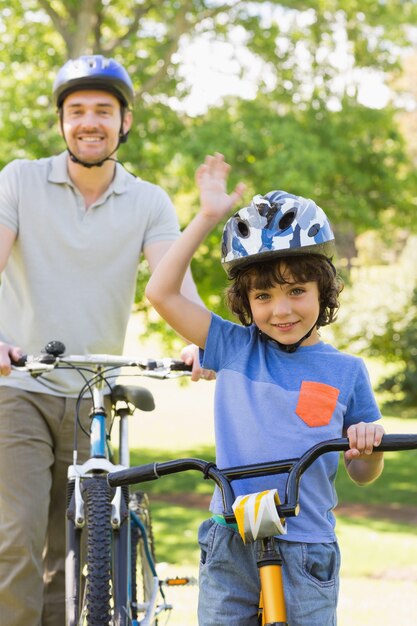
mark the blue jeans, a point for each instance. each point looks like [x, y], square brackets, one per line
[229, 580]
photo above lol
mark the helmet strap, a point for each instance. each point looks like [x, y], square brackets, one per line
[75, 159]
[289, 347]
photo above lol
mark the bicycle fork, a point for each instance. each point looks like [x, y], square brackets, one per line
[258, 521]
[272, 604]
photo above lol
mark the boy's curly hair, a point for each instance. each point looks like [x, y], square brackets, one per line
[300, 268]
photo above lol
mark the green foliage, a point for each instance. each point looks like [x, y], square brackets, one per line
[296, 44]
[353, 163]
[378, 315]
[398, 344]
[304, 131]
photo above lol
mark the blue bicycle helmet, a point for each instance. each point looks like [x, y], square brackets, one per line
[93, 72]
[277, 224]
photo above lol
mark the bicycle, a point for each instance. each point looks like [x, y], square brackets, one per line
[110, 574]
[259, 517]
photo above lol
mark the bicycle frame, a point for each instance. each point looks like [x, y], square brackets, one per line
[269, 563]
[87, 489]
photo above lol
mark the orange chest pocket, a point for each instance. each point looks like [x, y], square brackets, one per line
[316, 403]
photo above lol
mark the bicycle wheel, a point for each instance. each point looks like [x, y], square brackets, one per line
[97, 608]
[97, 563]
[145, 585]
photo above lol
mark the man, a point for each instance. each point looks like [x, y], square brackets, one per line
[72, 230]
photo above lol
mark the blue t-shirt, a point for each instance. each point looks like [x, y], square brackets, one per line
[273, 405]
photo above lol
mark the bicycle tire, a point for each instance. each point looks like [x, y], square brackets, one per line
[97, 564]
[142, 551]
[97, 502]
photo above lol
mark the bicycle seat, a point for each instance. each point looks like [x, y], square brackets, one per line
[140, 397]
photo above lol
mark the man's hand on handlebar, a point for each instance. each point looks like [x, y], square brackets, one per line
[8, 354]
[190, 356]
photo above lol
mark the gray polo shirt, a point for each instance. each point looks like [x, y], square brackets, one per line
[71, 274]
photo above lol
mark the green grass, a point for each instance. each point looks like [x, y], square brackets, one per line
[397, 485]
[187, 482]
[373, 550]
[175, 526]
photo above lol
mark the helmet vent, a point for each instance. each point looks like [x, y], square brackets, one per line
[243, 228]
[287, 219]
[313, 230]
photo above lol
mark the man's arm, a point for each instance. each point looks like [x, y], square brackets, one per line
[7, 239]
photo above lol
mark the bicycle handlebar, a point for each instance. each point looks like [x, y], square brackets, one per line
[47, 361]
[295, 468]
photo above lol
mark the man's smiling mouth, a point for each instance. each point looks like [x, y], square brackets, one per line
[90, 139]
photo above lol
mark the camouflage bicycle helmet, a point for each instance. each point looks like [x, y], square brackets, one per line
[93, 72]
[277, 224]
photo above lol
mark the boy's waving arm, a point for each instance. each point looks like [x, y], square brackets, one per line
[187, 318]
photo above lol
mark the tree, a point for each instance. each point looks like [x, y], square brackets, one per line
[299, 46]
[304, 131]
[352, 162]
[397, 345]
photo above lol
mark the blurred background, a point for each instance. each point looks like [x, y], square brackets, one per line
[317, 97]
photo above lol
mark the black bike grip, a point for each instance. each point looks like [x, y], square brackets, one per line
[20, 362]
[177, 365]
[139, 474]
[392, 443]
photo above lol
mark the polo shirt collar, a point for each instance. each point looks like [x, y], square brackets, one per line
[59, 174]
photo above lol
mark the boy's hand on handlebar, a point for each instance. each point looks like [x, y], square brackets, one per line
[8, 354]
[363, 438]
[190, 355]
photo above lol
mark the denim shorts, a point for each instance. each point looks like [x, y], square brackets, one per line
[229, 580]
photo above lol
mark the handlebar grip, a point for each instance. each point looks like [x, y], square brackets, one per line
[391, 443]
[20, 362]
[140, 474]
[180, 366]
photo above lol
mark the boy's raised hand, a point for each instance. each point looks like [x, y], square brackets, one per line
[211, 179]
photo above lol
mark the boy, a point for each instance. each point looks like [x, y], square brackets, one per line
[279, 389]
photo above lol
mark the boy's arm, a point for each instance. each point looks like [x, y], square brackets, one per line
[362, 462]
[189, 354]
[188, 318]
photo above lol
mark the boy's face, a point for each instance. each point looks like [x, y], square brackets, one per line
[287, 312]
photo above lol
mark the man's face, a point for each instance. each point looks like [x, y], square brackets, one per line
[91, 123]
